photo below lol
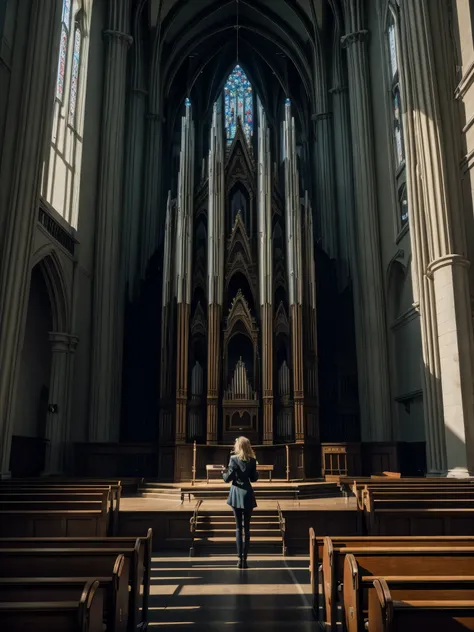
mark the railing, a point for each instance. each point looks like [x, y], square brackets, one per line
[282, 522]
[193, 524]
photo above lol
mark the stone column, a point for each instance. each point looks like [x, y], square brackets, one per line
[310, 327]
[438, 242]
[325, 181]
[34, 126]
[107, 308]
[376, 414]
[56, 420]
[134, 160]
[3, 9]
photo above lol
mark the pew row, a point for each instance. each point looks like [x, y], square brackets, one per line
[357, 588]
[83, 614]
[57, 523]
[142, 571]
[393, 561]
[82, 563]
[316, 547]
[67, 490]
[410, 615]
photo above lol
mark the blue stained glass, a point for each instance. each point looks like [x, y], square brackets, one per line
[238, 104]
[66, 12]
[76, 60]
[62, 64]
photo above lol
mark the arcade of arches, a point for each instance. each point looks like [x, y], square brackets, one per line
[236, 217]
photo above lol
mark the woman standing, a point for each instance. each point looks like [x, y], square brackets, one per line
[242, 471]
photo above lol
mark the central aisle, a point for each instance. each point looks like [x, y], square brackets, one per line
[202, 593]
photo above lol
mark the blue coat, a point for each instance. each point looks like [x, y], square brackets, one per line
[242, 474]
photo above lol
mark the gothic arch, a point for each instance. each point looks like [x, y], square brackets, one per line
[50, 265]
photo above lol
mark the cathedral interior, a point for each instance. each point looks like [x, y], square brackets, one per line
[236, 217]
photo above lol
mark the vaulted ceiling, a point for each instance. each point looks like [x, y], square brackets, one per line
[281, 44]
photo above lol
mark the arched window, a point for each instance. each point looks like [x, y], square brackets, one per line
[76, 64]
[238, 102]
[63, 48]
[396, 108]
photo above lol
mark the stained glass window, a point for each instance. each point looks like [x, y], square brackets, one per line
[63, 45]
[76, 62]
[396, 105]
[238, 104]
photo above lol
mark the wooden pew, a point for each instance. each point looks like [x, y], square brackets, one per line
[38, 589]
[428, 521]
[142, 572]
[350, 485]
[414, 491]
[388, 615]
[60, 523]
[81, 615]
[82, 562]
[316, 546]
[392, 560]
[357, 588]
[114, 491]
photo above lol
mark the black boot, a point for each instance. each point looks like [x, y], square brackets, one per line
[240, 563]
[244, 562]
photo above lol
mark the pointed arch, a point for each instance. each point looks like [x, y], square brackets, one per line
[50, 265]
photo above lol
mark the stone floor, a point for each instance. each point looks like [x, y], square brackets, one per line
[211, 593]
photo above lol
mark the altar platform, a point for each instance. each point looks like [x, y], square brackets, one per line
[170, 517]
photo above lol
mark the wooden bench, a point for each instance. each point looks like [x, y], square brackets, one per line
[316, 548]
[351, 484]
[141, 571]
[38, 589]
[413, 492]
[357, 588]
[429, 521]
[393, 561]
[81, 615]
[59, 523]
[389, 615]
[266, 468]
[213, 468]
[20, 487]
[83, 563]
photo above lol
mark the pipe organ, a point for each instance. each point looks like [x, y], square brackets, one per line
[239, 352]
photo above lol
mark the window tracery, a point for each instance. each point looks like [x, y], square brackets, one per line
[63, 49]
[76, 64]
[396, 107]
[238, 104]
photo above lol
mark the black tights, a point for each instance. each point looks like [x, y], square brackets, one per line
[242, 527]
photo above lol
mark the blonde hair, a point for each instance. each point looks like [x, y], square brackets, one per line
[243, 449]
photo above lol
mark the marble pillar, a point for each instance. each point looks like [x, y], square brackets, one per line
[434, 202]
[57, 431]
[134, 160]
[107, 312]
[376, 411]
[325, 182]
[34, 126]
